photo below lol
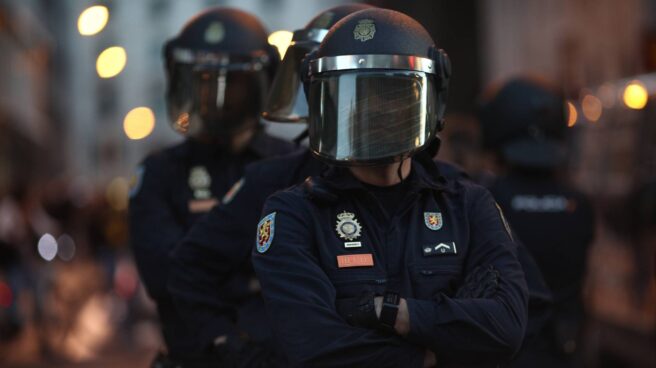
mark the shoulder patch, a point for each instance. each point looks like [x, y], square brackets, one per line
[136, 179]
[230, 194]
[505, 222]
[265, 231]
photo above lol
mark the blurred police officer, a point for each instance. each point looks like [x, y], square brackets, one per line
[379, 261]
[524, 125]
[218, 71]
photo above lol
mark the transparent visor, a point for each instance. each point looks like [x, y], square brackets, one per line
[214, 101]
[369, 117]
[286, 102]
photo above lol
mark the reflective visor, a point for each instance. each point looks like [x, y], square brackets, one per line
[371, 116]
[286, 102]
[215, 100]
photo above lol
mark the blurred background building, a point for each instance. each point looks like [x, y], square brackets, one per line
[82, 102]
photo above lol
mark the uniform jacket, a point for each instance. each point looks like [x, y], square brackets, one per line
[444, 232]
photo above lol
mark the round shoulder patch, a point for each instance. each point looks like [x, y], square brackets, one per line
[265, 232]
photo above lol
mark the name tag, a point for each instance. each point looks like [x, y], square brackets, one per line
[202, 205]
[355, 260]
[352, 245]
[440, 249]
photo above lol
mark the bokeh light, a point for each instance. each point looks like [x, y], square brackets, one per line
[65, 247]
[6, 295]
[572, 115]
[591, 107]
[47, 247]
[281, 40]
[117, 194]
[111, 62]
[92, 20]
[607, 94]
[635, 95]
[139, 123]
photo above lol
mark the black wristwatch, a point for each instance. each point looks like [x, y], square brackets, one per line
[389, 311]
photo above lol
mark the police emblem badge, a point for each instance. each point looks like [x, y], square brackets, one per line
[348, 228]
[199, 182]
[433, 220]
[265, 230]
[215, 33]
[364, 30]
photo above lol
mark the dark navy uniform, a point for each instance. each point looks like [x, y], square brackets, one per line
[305, 271]
[211, 268]
[173, 189]
[557, 225]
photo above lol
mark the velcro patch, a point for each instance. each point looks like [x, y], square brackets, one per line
[355, 260]
[202, 205]
[440, 249]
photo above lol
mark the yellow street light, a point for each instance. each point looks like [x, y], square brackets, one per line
[139, 123]
[111, 62]
[281, 40]
[92, 20]
[635, 95]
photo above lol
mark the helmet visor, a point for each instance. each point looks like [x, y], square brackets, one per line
[214, 100]
[370, 117]
[286, 101]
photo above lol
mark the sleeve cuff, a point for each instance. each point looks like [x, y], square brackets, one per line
[422, 320]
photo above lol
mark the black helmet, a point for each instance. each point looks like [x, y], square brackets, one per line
[283, 104]
[525, 121]
[219, 68]
[377, 89]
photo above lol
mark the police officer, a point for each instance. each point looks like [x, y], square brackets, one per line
[524, 126]
[378, 262]
[218, 70]
[211, 278]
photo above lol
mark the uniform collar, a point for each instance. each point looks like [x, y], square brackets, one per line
[423, 176]
[259, 146]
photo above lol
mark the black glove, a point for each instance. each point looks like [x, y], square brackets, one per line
[359, 311]
[482, 282]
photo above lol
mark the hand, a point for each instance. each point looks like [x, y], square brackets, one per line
[429, 359]
[402, 324]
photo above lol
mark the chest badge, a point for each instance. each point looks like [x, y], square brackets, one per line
[433, 220]
[199, 182]
[348, 228]
[440, 249]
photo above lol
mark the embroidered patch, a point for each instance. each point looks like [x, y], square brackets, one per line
[348, 228]
[440, 249]
[228, 197]
[433, 220]
[355, 260]
[266, 229]
[352, 244]
[136, 180]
